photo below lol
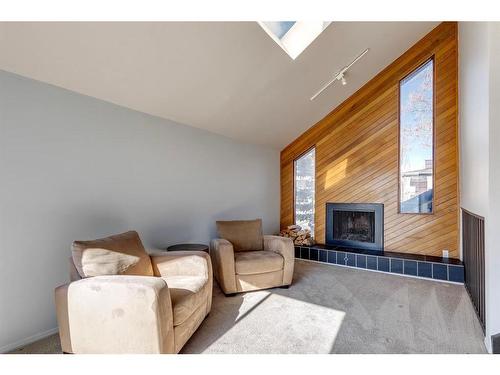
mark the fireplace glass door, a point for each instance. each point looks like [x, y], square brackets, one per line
[354, 226]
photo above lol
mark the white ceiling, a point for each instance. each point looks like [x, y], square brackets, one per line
[230, 78]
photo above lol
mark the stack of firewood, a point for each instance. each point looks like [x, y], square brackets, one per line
[299, 236]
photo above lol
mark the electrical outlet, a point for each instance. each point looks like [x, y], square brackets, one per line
[445, 254]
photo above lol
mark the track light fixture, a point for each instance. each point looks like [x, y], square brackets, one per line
[340, 76]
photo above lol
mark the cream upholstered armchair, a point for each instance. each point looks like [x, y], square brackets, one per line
[245, 260]
[123, 300]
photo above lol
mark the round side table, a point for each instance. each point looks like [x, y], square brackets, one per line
[188, 247]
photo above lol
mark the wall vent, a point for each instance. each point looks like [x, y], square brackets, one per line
[473, 254]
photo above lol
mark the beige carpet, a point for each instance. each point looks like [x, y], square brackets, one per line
[332, 309]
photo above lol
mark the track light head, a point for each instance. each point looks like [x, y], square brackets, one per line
[341, 77]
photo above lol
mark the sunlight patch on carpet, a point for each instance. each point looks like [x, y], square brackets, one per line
[278, 324]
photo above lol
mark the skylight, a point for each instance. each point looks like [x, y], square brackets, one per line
[294, 36]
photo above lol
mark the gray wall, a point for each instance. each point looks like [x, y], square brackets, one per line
[74, 167]
[479, 90]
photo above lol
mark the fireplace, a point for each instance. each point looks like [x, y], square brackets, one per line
[355, 225]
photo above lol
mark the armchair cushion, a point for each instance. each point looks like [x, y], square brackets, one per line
[121, 254]
[244, 235]
[188, 275]
[254, 262]
[186, 296]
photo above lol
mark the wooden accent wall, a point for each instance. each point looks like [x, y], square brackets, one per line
[357, 152]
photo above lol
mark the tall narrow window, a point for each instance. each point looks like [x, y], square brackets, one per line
[304, 190]
[416, 140]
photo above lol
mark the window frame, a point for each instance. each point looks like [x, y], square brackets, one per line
[313, 147]
[414, 68]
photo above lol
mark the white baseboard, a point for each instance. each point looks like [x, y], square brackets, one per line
[28, 340]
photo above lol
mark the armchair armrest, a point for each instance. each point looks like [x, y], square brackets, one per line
[284, 247]
[185, 263]
[116, 314]
[222, 254]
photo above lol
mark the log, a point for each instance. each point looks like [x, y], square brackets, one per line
[299, 236]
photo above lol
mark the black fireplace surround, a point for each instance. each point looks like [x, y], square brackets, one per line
[355, 225]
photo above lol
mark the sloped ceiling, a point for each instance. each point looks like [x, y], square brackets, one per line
[226, 77]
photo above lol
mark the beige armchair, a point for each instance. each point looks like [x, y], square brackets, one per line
[245, 260]
[122, 300]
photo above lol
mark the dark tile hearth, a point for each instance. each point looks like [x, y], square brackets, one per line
[371, 262]
[440, 271]
[396, 265]
[410, 267]
[304, 253]
[383, 264]
[350, 259]
[424, 269]
[456, 274]
[446, 269]
[313, 254]
[360, 261]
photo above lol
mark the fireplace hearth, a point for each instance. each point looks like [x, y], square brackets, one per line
[355, 225]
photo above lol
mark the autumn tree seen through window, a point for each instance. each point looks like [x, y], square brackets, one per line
[416, 140]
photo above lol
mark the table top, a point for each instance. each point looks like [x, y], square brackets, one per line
[188, 246]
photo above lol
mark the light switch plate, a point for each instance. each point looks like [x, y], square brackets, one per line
[445, 254]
